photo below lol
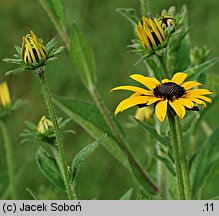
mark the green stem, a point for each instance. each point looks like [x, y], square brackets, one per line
[184, 160]
[176, 155]
[144, 7]
[59, 138]
[60, 29]
[9, 160]
[163, 64]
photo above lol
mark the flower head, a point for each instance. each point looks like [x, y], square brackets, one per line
[33, 51]
[5, 98]
[150, 33]
[33, 54]
[173, 94]
[44, 125]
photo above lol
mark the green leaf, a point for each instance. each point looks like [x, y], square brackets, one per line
[204, 112]
[90, 118]
[206, 163]
[58, 9]
[168, 163]
[83, 57]
[198, 69]
[33, 194]
[83, 154]
[129, 14]
[15, 71]
[176, 39]
[49, 167]
[150, 130]
[127, 195]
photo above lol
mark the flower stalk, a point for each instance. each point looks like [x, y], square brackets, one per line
[176, 154]
[9, 160]
[58, 133]
[184, 160]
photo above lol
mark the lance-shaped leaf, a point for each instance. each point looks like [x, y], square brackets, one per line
[206, 163]
[49, 167]
[129, 14]
[150, 130]
[83, 154]
[127, 195]
[83, 57]
[58, 9]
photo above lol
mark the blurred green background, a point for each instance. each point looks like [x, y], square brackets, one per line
[109, 33]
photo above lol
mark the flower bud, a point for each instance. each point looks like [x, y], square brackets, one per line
[166, 21]
[5, 98]
[44, 125]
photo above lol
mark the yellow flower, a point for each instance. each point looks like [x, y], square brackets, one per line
[143, 113]
[33, 51]
[166, 21]
[174, 93]
[150, 33]
[5, 99]
[44, 125]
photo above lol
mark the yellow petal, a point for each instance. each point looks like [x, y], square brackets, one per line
[153, 100]
[190, 84]
[149, 82]
[156, 31]
[165, 81]
[161, 110]
[209, 100]
[198, 101]
[199, 92]
[143, 37]
[178, 108]
[187, 103]
[134, 89]
[179, 78]
[130, 102]
[160, 28]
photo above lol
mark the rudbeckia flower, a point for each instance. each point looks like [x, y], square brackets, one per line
[173, 94]
[44, 125]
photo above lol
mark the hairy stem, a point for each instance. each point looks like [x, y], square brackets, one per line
[184, 160]
[163, 64]
[176, 155]
[58, 133]
[9, 160]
